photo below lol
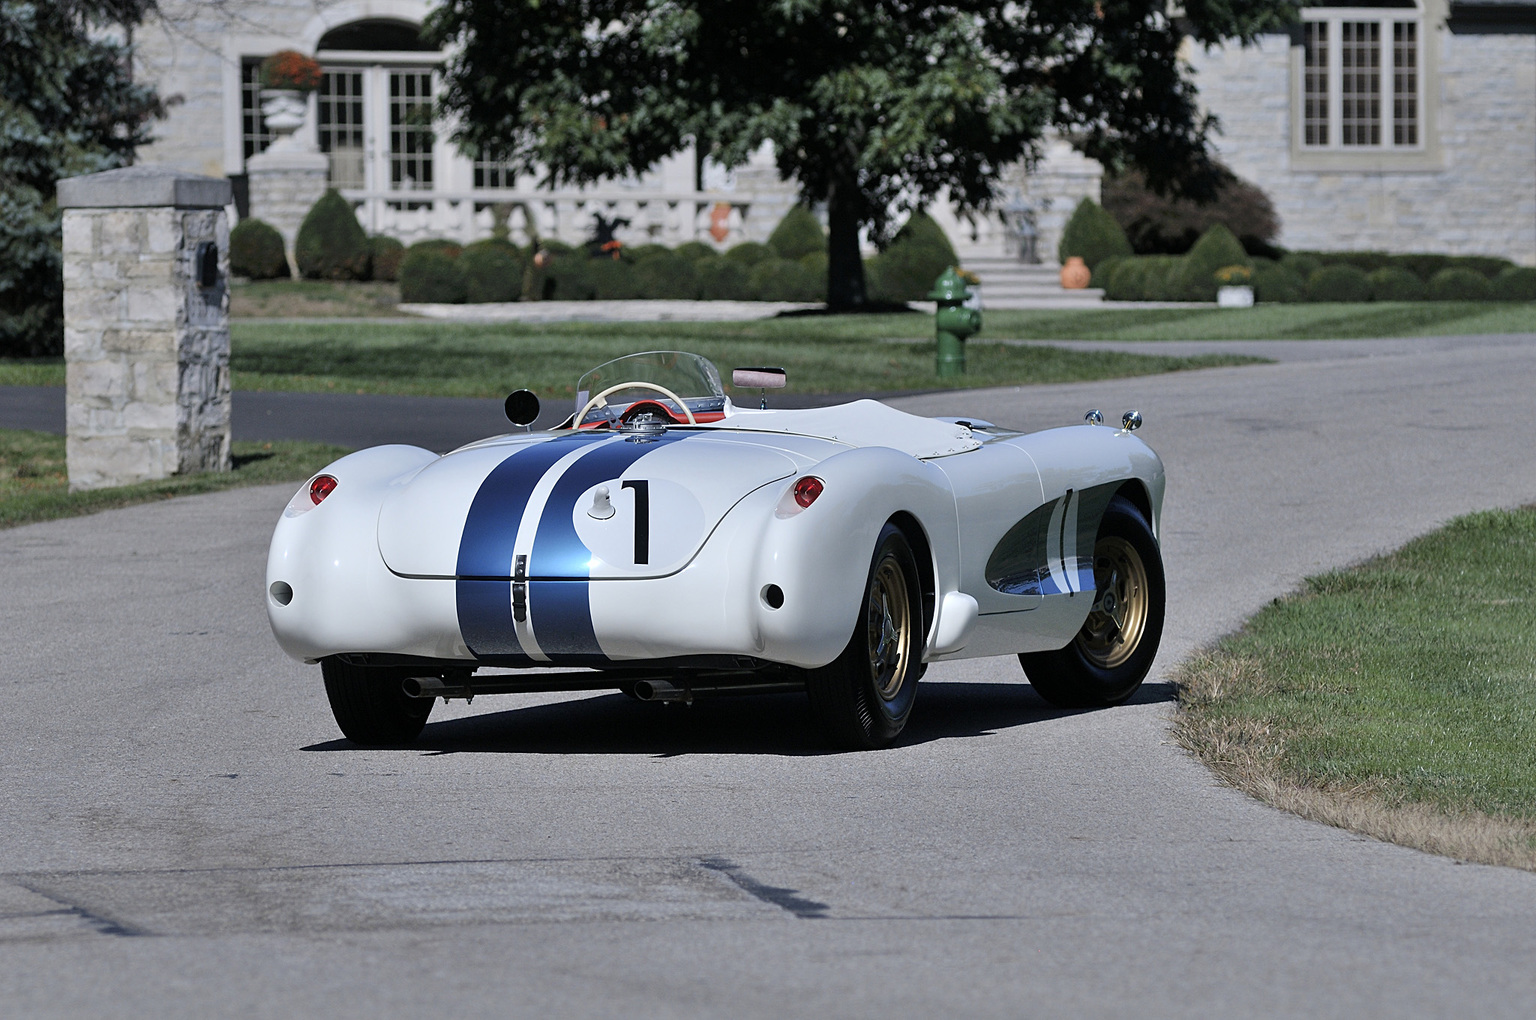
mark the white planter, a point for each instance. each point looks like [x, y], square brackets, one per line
[1234, 297]
[283, 110]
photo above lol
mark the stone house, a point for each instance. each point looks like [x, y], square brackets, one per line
[1402, 128]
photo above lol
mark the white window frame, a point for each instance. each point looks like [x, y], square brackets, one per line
[1423, 153]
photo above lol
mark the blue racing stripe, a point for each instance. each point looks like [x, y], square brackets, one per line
[484, 587]
[561, 610]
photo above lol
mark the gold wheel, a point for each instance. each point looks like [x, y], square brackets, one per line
[1118, 619]
[888, 628]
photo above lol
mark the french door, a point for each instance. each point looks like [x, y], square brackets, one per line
[375, 125]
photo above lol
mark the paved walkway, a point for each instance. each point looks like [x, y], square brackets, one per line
[185, 834]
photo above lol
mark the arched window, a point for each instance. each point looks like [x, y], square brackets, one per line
[376, 34]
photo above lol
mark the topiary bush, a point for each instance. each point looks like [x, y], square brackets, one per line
[916, 257]
[385, 254]
[640, 252]
[779, 279]
[1159, 224]
[430, 274]
[256, 251]
[493, 272]
[1423, 266]
[748, 254]
[1339, 282]
[613, 279]
[331, 243]
[798, 234]
[1092, 234]
[1393, 283]
[667, 277]
[721, 279]
[1517, 283]
[1273, 282]
[1141, 278]
[1486, 266]
[1302, 265]
[693, 251]
[567, 275]
[1195, 278]
[1104, 270]
[1457, 284]
[1365, 261]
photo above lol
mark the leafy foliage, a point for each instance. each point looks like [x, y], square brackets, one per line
[1392, 283]
[1195, 278]
[1339, 282]
[1093, 235]
[905, 271]
[493, 271]
[1168, 224]
[798, 234]
[331, 244]
[385, 254]
[1457, 284]
[874, 107]
[1515, 284]
[1273, 282]
[430, 274]
[68, 106]
[256, 251]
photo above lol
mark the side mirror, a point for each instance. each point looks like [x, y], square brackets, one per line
[758, 378]
[522, 407]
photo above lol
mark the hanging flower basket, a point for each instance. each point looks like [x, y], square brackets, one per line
[290, 71]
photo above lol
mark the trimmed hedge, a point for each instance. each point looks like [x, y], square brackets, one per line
[1195, 278]
[385, 254]
[798, 234]
[915, 258]
[1272, 281]
[1517, 283]
[1457, 284]
[430, 274]
[331, 243]
[612, 279]
[779, 279]
[256, 251]
[721, 279]
[493, 271]
[1142, 278]
[667, 276]
[693, 251]
[749, 253]
[1339, 282]
[1092, 234]
[1393, 283]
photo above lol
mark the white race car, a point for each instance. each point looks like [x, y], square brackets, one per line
[671, 545]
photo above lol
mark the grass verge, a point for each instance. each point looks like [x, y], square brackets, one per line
[299, 299]
[34, 484]
[1396, 698]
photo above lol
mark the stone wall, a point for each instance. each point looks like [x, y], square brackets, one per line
[146, 346]
[1479, 198]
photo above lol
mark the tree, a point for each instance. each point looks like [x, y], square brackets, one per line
[68, 106]
[874, 107]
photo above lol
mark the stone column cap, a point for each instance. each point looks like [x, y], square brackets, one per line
[141, 186]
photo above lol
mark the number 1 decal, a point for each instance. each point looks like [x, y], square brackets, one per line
[642, 520]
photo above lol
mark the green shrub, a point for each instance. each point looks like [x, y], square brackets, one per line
[1142, 278]
[916, 257]
[1394, 283]
[1486, 266]
[613, 279]
[816, 262]
[1092, 234]
[429, 274]
[452, 249]
[1104, 270]
[493, 271]
[567, 274]
[667, 276]
[779, 279]
[1457, 284]
[640, 252]
[385, 254]
[798, 234]
[1195, 278]
[331, 243]
[1365, 261]
[748, 254]
[1339, 282]
[256, 250]
[721, 279]
[1517, 283]
[1272, 281]
[1423, 266]
[1303, 266]
[1161, 224]
[693, 251]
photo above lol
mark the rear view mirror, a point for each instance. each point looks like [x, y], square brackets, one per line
[758, 378]
[522, 407]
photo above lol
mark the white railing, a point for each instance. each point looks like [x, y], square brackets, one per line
[569, 216]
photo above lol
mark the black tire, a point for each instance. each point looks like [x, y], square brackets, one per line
[861, 699]
[1101, 667]
[370, 706]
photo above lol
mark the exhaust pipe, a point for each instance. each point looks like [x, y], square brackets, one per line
[661, 690]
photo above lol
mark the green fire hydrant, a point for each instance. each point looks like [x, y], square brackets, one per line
[954, 322]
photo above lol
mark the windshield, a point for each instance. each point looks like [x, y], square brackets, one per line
[663, 377]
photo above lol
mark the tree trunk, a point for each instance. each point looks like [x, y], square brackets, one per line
[845, 269]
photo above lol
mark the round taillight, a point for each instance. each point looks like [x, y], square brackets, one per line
[807, 489]
[321, 487]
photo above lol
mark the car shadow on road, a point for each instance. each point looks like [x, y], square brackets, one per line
[776, 724]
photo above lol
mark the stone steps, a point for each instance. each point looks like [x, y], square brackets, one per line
[1010, 284]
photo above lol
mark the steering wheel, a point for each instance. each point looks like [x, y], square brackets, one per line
[598, 400]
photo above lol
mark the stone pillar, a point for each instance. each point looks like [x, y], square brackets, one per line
[285, 185]
[146, 325]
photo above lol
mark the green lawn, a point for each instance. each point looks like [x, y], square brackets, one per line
[34, 485]
[1409, 681]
